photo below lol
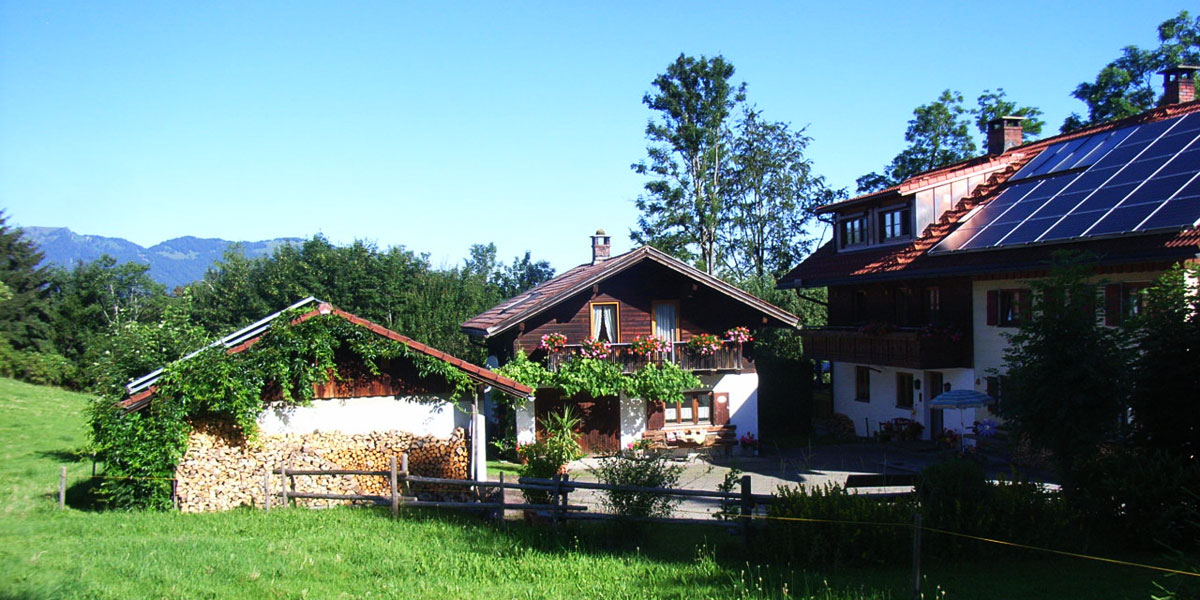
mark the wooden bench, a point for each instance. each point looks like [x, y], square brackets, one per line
[684, 437]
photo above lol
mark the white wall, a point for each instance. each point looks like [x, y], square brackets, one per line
[633, 419]
[743, 405]
[743, 398]
[882, 406]
[526, 426]
[435, 416]
[990, 341]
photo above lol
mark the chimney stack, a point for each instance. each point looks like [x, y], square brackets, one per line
[1179, 84]
[601, 247]
[1004, 133]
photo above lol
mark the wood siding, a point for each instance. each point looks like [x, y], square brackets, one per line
[700, 311]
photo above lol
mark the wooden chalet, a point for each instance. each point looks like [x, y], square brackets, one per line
[927, 278]
[619, 299]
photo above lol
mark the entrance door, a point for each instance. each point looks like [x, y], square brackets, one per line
[600, 429]
[933, 387]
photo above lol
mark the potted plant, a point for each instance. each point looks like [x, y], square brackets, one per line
[595, 348]
[648, 345]
[553, 342]
[705, 344]
[556, 445]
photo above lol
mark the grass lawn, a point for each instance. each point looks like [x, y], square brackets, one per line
[496, 467]
[361, 553]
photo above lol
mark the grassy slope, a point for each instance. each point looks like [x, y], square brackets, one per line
[359, 553]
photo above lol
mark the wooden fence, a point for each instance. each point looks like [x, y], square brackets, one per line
[743, 503]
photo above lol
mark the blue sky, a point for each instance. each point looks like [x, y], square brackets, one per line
[439, 125]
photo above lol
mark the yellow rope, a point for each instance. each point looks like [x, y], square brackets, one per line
[972, 537]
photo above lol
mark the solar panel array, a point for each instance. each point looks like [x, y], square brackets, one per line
[1139, 178]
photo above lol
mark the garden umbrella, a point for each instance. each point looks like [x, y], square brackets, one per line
[959, 400]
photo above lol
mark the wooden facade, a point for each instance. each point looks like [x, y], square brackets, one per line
[634, 291]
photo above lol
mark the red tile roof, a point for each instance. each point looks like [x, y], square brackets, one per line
[509, 313]
[828, 266]
[476, 373]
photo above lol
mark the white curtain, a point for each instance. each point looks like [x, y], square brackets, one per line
[604, 322]
[665, 320]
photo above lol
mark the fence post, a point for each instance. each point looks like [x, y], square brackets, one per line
[175, 493]
[916, 567]
[267, 489]
[566, 479]
[554, 499]
[404, 470]
[747, 508]
[500, 513]
[62, 489]
[395, 494]
[283, 485]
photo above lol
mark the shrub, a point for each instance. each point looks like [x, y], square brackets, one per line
[640, 469]
[846, 528]
[557, 445]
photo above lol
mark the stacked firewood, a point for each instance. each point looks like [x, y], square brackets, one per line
[222, 470]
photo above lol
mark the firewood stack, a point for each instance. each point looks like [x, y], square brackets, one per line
[221, 470]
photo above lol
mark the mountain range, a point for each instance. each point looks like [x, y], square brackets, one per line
[173, 263]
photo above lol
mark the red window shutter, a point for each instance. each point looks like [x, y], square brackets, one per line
[993, 306]
[720, 408]
[1112, 304]
[654, 415]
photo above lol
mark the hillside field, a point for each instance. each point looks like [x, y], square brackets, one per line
[362, 553]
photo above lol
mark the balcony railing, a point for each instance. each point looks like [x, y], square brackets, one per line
[728, 358]
[906, 347]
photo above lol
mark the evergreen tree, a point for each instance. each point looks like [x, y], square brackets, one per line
[25, 316]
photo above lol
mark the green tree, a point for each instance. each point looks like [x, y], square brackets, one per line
[773, 193]
[1067, 376]
[1167, 371]
[688, 158]
[939, 134]
[1126, 86]
[92, 299]
[25, 316]
[993, 105]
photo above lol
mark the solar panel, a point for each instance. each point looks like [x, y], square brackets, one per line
[1137, 178]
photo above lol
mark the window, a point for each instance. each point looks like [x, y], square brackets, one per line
[895, 224]
[1123, 301]
[695, 409]
[904, 390]
[862, 384]
[605, 322]
[1007, 308]
[853, 231]
[666, 321]
[933, 304]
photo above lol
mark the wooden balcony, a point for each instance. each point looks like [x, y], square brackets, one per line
[729, 358]
[905, 347]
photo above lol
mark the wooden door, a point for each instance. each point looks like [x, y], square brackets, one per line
[600, 429]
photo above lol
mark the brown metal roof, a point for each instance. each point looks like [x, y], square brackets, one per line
[827, 266]
[509, 313]
[476, 373]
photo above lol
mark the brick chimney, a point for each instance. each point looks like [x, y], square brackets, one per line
[601, 247]
[1179, 84]
[1004, 133]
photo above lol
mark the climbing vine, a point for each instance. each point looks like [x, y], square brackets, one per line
[595, 377]
[140, 449]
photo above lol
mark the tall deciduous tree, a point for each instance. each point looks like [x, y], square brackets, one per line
[1126, 86]
[1067, 376]
[993, 105]
[1167, 370]
[773, 193]
[938, 134]
[688, 158]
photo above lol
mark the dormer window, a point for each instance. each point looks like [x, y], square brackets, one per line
[853, 231]
[895, 223]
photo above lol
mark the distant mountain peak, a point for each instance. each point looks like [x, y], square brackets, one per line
[174, 262]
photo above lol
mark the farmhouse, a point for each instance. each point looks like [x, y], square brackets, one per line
[927, 277]
[640, 307]
[359, 419]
